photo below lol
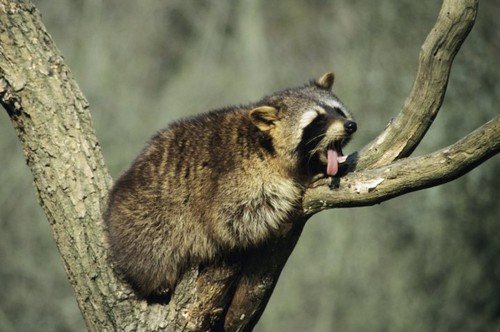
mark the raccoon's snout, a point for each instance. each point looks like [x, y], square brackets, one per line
[350, 127]
[334, 155]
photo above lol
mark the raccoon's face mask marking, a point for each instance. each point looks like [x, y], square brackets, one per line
[323, 139]
[310, 116]
[326, 128]
[308, 125]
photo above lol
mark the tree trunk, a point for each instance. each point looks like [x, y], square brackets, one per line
[52, 121]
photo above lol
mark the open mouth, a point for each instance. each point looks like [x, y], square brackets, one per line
[334, 157]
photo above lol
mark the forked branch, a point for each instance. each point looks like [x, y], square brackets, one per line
[372, 186]
[404, 133]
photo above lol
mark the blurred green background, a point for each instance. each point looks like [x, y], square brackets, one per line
[428, 261]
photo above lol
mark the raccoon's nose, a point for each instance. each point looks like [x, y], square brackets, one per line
[350, 127]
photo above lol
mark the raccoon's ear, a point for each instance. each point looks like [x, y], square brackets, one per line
[264, 116]
[326, 81]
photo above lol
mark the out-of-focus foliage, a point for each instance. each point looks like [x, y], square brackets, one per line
[425, 261]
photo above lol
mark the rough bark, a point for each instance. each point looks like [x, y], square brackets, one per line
[52, 120]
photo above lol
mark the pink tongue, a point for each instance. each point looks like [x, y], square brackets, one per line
[332, 167]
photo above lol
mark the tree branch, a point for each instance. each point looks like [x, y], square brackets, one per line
[52, 121]
[377, 185]
[403, 134]
[50, 116]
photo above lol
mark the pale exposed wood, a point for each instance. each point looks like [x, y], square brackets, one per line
[53, 123]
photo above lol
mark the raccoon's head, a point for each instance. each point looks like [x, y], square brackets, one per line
[308, 126]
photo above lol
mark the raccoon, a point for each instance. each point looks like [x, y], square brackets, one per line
[222, 182]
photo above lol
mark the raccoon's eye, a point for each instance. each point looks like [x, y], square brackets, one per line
[339, 112]
[320, 119]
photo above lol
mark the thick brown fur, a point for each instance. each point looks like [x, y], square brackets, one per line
[219, 182]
